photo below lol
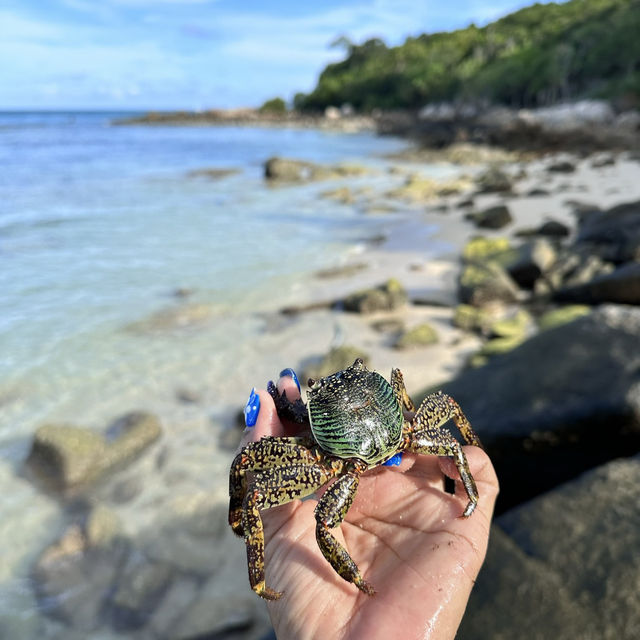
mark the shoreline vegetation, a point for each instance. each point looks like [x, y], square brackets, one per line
[528, 314]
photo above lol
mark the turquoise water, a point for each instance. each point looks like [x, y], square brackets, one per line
[99, 224]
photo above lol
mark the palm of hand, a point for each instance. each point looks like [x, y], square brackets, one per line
[408, 539]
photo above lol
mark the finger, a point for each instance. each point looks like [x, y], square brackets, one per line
[261, 418]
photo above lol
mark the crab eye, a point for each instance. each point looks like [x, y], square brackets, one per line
[311, 382]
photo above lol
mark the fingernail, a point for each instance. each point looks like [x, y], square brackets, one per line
[291, 374]
[252, 409]
[393, 461]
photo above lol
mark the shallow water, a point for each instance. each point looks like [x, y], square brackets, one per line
[100, 226]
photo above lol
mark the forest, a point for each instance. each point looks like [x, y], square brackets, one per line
[537, 56]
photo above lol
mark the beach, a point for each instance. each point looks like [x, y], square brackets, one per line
[192, 352]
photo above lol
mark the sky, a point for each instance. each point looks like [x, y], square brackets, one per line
[197, 54]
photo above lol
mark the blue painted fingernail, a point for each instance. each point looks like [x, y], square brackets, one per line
[252, 409]
[393, 461]
[291, 374]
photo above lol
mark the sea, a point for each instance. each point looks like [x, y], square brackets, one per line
[128, 278]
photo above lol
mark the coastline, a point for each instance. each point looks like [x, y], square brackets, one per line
[184, 475]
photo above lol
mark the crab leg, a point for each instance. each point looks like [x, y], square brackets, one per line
[330, 512]
[280, 486]
[258, 456]
[400, 391]
[438, 408]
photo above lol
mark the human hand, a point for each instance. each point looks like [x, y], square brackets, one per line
[404, 532]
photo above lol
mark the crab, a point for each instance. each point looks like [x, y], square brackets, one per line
[357, 421]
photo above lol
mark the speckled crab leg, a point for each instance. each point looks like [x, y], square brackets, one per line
[267, 453]
[425, 435]
[400, 391]
[280, 486]
[330, 512]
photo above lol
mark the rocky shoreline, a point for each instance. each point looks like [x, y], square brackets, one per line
[528, 315]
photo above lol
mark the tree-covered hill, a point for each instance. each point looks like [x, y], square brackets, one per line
[536, 56]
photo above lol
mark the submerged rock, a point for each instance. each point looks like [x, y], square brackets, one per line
[68, 459]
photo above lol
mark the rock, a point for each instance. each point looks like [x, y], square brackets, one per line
[561, 166]
[613, 234]
[385, 297]
[580, 584]
[620, 286]
[517, 325]
[141, 586]
[65, 457]
[420, 189]
[288, 170]
[68, 459]
[421, 336]
[188, 396]
[516, 596]
[337, 359]
[494, 180]
[603, 161]
[344, 271]
[282, 170]
[530, 261]
[549, 229]
[564, 401]
[562, 315]
[538, 192]
[572, 268]
[73, 577]
[492, 218]
[481, 249]
[213, 173]
[342, 194]
[483, 283]
[174, 318]
[470, 318]
[130, 435]
[388, 325]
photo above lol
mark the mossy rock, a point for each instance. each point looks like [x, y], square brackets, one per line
[498, 346]
[482, 283]
[481, 249]
[420, 189]
[385, 297]
[421, 336]
[517, 325]
[562, 315]
[470, 318]
[65, 456]
[337, 359]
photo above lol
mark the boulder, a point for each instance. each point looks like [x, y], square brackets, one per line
[288, 170]
[420, 336]
[492, 218]
[562, 315]
[564, 401]
[494, 180]
[562, 166]
[580, 584]
[536, 584]
[621, 286]
[613, 234]
[483, 283]
[385, 297]
[68, 459]
[549, 229]
[481, 249]
[530, 261]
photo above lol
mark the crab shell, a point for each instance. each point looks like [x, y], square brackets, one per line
[355, 414]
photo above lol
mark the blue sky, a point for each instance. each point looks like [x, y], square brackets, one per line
[195, 54]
